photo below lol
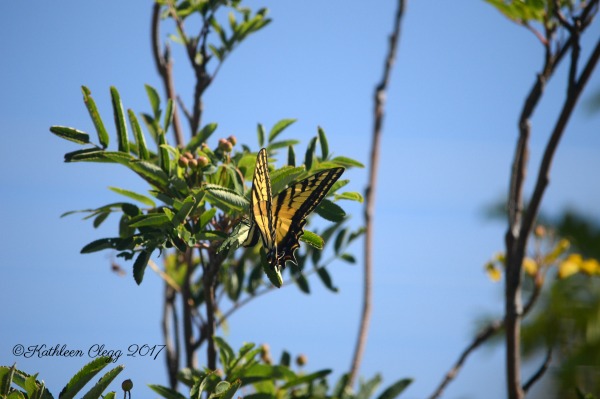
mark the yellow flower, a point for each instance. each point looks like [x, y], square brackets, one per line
[569, 266]
[530, 266]
[590, 267]
[493, 272]
[557, 251]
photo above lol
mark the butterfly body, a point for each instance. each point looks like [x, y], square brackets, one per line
[280, 220]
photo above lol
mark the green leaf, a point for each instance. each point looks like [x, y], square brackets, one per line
[103, 243]
[154, 100]
[348, 258]
[226, 354]
[349, 195]
[310, 153]
[168, 115]
[87, 155]
[281, 178]
[231, 389]
[308, 378]
[339, 240]
[279, 127]
[347, 162]
[274, 274]
[312, 239]
[330, 211]
[83, 376]
[291, 156]
[302, 283]
[96, 391]
[139, 266]
[227, 196]
[95, 115]
[150, 172]
[165, 392]
[206, 217]
[281, 144]
[119, 120]
[100, 218]
[138, 135]
[324, 143]
[326, 279]
[367, 389]
[395, 389]
[260, 130]
[201, 137]
[163, 154]
[133, 195]
[71, 134]
[149, 220]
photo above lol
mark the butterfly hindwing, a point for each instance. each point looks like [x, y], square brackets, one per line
[292, 206]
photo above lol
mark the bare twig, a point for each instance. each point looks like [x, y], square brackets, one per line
[486, 333]
[518, 233]
[380, 93]
[538, 374]
[165, 70]
[489, 331]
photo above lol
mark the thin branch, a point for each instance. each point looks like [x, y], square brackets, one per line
[486, 333]
[538, 374]
[172, 344]
[483, 336]
[379, 109]
[165, 70]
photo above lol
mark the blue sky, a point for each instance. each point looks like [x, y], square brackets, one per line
[456, 91]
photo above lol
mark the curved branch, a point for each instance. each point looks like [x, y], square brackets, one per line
[380, 93]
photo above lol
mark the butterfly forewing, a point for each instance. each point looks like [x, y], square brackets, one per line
[262, 208]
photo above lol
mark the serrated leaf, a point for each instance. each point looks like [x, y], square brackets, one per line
[281, 144]
[165, 392]
[330, 211]
[154, 100]
[150, 172]
[119, 120]
[168, 115]
[229, 197]
[90, 104]
[201, 137]
[83, 376]
[152, 219]
[139, 266]
[138, 135]
[347, 162]
[279, 127]
[96, 391]
[324, 143]
[312, 239]
[71, 134]
[229, 393]
[133, 195]
[349, 195]
[308, 378]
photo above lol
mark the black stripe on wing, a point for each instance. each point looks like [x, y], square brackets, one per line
[302, 197]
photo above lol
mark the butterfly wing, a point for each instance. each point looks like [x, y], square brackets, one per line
[290, 210]
[261, 208]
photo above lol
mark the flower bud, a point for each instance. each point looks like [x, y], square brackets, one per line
[127, 385]
[301, 360]
[202, 161]
[232, 140]
[225, 145]
[183, 161]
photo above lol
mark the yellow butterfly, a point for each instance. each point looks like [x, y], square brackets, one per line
[280, 220]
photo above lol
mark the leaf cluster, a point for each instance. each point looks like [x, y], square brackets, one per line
[198, 195]
[251, 369]
[32, 388]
